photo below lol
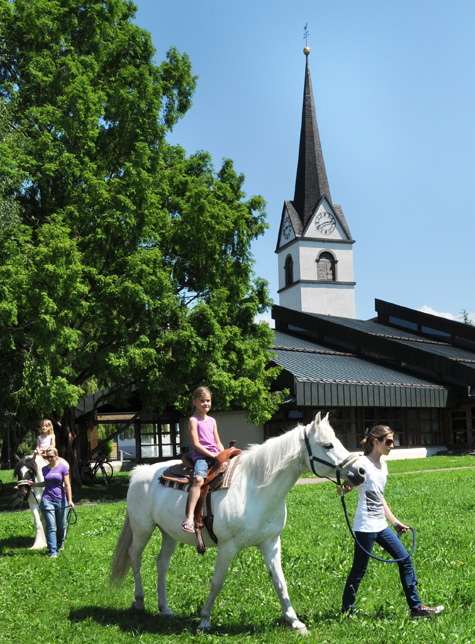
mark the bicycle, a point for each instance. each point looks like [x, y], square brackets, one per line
[97, 471]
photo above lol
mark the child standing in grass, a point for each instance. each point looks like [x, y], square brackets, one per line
[370, 525]
[206, 445]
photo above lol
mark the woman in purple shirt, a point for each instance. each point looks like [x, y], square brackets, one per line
[55, 500]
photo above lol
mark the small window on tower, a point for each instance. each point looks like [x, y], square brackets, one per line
[289, 270]
[326, 267]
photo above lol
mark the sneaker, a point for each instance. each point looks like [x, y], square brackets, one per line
[53, 556]
[426, 611]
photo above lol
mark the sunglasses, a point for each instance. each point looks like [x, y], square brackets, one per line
[388, 441]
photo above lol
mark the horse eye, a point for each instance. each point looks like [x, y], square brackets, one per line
[328, 446]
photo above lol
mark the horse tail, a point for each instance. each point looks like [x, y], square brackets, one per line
[121, 560]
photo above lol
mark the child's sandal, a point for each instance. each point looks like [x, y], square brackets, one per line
[187, 527]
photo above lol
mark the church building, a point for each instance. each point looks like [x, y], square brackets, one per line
[410, 370]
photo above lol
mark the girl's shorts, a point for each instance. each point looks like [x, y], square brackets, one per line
[202, 466]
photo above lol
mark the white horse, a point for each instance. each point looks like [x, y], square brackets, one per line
[31, 469]
[252, 512]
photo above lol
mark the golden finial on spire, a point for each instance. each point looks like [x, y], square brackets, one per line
[306, 49]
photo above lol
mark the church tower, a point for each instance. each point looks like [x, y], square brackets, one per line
[315, 247]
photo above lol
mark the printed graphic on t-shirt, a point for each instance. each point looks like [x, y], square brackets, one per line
[374, 504]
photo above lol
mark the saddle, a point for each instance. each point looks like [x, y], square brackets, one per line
[219, 476]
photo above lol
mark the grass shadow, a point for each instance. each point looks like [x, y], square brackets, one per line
[134, 623]
[15, 543]
[152, 623]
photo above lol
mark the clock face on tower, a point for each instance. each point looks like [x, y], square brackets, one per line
[287, 228]
[325, 222]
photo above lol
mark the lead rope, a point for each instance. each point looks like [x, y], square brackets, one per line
[71, 512]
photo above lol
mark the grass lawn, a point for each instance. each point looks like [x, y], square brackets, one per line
[68, 600]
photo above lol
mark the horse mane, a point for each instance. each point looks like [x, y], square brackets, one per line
[26, 462]
[265, 461]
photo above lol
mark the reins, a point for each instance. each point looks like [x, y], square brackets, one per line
[339, 467]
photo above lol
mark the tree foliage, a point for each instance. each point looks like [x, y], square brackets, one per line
[124, 262]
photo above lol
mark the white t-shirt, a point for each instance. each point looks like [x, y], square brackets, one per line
[369, 515]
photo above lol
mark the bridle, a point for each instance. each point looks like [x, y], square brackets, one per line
[26, 482]
[338, 467]
[351, 458]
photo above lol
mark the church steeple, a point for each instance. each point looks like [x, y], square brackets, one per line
[311, 183]
[314, 245]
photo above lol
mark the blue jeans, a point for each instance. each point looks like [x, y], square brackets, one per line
[388, 540]
[54, 513]
[201, 466]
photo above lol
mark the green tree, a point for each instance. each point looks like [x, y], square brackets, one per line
[130, 264]
[465, 318]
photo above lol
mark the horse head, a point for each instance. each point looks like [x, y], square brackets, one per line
[26, 470]
[325, 450]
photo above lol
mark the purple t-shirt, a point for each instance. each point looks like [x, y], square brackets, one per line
[54, 489]
[206, 437]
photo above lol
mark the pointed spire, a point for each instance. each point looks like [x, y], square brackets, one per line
[311, 183]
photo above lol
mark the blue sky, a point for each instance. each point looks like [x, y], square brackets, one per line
[394, 86]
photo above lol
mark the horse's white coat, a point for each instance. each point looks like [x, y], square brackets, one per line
[252, 512]
[33, 502]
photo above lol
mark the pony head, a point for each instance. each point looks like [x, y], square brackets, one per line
[26, 470]
[327, 456]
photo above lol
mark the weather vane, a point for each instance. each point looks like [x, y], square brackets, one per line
[305, 33]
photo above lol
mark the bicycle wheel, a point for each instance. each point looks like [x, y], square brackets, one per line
[86, 474]
[103, 472]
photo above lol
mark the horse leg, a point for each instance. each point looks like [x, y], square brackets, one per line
[40, 541]
[140, 539]
[223, 561]
[270, 550]
[163, 563]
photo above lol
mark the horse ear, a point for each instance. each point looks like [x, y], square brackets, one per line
[325, 420]
[17, 458]
[318, 418]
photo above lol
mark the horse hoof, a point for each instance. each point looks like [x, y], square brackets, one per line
[166, 613]
[204, 625]
[137, 608]
[38, 546]
[300, 628]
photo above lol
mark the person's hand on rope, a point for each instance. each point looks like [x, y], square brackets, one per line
[344, 489]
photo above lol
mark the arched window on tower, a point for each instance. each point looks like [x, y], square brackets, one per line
[326, 267]
[289, 270]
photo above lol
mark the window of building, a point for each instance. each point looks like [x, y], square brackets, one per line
[289, 270]
[159, 440]
[326, 266]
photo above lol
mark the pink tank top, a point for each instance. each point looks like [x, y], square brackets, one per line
[45, 441]
[206, 437]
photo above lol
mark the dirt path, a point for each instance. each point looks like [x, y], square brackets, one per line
[310, 480]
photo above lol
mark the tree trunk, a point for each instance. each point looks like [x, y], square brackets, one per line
[69, 445]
